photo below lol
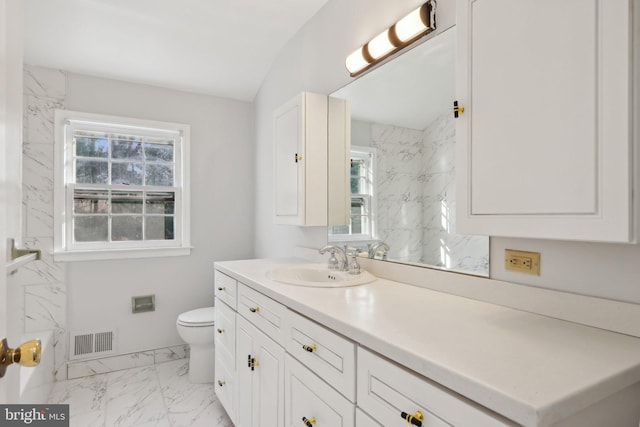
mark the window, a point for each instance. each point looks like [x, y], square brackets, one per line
[121, 187]
[362, 222]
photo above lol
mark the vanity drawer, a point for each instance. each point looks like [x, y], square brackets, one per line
[326, 353]
[226, 288]
[308, 396]
[385, 391]
[266, 314]
[225, 332]
[225, 387]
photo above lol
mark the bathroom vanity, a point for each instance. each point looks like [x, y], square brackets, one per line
[387, 354]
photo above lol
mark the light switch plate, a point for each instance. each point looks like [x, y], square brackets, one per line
[522, 262]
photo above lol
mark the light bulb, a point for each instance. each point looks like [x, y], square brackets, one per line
[380, 45]
[356, 61]
[410, 26]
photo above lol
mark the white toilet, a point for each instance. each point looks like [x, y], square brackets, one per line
[196, 328]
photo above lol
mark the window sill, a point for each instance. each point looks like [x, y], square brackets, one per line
[103, 255]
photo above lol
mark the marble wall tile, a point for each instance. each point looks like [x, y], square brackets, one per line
[38, 189]
[44, 270]
[45, 82]
[40, 114]
[45, 307]
[110, 364]
[60, 354]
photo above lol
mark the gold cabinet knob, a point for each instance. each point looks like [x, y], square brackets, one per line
[221, 288]
[310, 348]
[28, 354]
[254, 309]
[457, 109]
[220, 330]
[309, 422]
[415, 419]
[221, 383]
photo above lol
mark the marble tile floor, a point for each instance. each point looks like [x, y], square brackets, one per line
[159, 395]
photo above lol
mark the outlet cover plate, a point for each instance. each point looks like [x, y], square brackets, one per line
[522, 262]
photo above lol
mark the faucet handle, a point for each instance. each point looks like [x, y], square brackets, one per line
[354, 266]
[333, 262]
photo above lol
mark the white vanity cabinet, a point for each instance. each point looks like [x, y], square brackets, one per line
[545, 142]
[300, 160]
[225, 342]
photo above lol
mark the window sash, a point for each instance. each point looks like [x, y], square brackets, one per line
[72, 244]
[155, 133]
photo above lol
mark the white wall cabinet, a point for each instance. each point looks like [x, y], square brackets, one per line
[300, 160]
[545, 144]
[312, 147]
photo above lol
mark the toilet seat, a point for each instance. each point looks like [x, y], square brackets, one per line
[198, 317]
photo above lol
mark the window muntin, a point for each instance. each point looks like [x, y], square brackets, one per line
[122, 184]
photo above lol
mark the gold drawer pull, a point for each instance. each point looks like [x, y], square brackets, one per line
[310, 348]
[309, 422]
[254, 309]
[221, 383]
[415, 419]
[222, 288]
[220, 330]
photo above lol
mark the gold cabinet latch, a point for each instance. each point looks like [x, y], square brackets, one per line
[297, 158]
[457, 109]
[28, 354]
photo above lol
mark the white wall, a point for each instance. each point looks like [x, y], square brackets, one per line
[314, 60]
[222, 205]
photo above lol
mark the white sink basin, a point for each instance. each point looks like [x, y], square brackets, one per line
[318, 275]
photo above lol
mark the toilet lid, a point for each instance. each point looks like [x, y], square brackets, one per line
[199, 317]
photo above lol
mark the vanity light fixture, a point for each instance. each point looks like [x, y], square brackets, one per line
[416, 24]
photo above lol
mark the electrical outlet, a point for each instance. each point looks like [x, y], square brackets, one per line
[522, 262]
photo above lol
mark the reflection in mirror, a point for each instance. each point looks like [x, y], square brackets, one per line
[403, 163]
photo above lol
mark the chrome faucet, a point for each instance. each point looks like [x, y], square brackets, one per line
[375, 249]
[334, 263]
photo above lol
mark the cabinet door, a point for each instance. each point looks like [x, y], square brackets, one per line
[289, 122]
[308, 397]
[300, 161]
[261, 388]
[544, 144]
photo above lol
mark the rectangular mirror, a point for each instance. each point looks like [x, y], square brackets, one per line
[402, 168]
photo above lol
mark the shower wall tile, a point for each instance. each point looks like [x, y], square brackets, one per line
[45, 307]
[42, 282]
[40, 114]
[45, 82]
[44, 270]
[38, 189]
[60, 354]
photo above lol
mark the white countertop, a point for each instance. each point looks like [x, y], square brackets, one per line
[532, 369]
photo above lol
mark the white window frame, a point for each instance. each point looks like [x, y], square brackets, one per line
[364, 153]
[65, 249]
